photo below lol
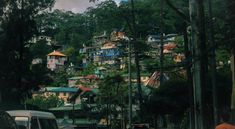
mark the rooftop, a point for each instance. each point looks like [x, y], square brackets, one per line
[56, 53]
[61, 89]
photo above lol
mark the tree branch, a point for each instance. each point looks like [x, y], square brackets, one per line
[179, 12]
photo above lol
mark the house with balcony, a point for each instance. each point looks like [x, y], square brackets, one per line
[105, 50]
[108, 54]
[155, 41]
[88, 53]
[169, 47]
[56, 60]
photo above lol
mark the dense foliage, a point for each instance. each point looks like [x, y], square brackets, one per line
[18, 26]
[20, 22]
[45, 103]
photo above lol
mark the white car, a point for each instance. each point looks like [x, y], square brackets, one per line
[6, 121]
[34, 119]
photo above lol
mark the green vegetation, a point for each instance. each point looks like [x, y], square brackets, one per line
[45, 102]
[19, 25]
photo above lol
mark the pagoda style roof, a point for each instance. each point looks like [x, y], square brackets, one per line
[56, 53]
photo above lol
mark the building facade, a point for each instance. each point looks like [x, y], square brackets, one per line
[56, 60]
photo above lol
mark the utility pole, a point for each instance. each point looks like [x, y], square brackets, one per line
[161, 43]
[129, 84]
[233, 80]
[188, 66]
[21, 43]
[213, 63]
[231, 12]
[203, 56]
[73, 112]
[136, 53]
[196, 69]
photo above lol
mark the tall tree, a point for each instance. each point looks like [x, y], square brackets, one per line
[19, 26]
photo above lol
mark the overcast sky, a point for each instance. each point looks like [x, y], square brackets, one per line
[77, 6]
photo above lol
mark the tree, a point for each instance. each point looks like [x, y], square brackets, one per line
[105, 17]
[44, 103]
[112, 95]
[67, 29]
[169, 99]
[18, 24]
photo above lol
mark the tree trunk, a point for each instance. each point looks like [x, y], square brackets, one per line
[136, 58]
[233, 86]
[199, 60]
[203, 57]
[231, 18]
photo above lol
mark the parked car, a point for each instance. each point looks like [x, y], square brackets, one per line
[34, 119]
[6, 121]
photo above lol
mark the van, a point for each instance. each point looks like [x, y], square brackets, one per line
[34, 119]
[6, 121]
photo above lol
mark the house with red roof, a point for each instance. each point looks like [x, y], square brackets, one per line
[56, 60]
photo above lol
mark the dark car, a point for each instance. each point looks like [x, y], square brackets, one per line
[6, 121]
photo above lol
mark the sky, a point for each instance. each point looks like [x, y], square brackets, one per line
[76, 6]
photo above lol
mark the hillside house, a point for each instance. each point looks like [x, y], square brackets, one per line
[108, 54]
[154, 42]
[117, 36]
[40, 38]
[154, 80]
[144, 77]
[61, 92]
[104, 51]
[83, 114]
[88, 53]
[90, 80]
[56, 60]
[73, 80]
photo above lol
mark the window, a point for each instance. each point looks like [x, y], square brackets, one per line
[48, 123]
[34, 123]
[22, 121]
